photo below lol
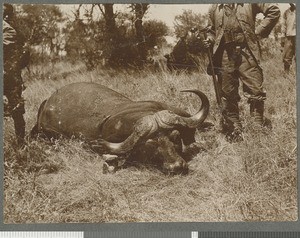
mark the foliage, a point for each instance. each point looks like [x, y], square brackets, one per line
[155, 31]
[189, 53]
[85, 40]
[91, 40]
[38, 23]
[187, 20]
[41, 27]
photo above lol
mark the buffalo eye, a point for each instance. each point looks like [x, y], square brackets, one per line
[151, 145]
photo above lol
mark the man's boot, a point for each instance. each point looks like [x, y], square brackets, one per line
[19, 124]
[257, 112]
[235, 133]
[232, 126]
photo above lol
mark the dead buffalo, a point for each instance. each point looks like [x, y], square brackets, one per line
[113, 124]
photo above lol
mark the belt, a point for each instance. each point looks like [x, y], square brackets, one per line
[234, 38]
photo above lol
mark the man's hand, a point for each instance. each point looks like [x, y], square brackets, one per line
[282, 41]
[207, 43]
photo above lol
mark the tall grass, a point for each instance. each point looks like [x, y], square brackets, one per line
[62, 181]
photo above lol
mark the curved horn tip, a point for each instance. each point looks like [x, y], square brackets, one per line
[189, 90]
[197, 92]
[185, 90]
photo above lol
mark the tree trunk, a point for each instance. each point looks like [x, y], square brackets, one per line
[111, 30]
[110, 18]
[140, 9]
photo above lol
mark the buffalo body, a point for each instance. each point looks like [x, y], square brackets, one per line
[112, 123]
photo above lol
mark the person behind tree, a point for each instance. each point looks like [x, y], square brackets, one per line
[289, 36]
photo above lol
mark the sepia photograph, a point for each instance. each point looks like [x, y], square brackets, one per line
[130, 113]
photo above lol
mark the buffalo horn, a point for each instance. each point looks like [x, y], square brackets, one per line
[168, 119]
[150, 124]
[142, 129]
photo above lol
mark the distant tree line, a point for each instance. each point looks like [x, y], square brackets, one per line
[99, 35]
[40, 26]
[96, 34]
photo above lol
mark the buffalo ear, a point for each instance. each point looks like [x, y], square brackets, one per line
[175, 136]
[151, 143]
[146, 152]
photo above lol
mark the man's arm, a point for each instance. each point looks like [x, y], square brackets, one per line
[9, 34]
[283, 24]
[272, 15]
[283, 29]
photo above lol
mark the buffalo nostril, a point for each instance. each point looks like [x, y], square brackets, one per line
[178, 167]
[179, 164]
[185, 169]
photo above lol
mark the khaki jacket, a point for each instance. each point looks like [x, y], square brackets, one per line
[289, 23]
[9, 34]
[246, 15]
[13, 44]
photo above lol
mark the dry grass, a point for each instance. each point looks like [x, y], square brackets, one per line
[254, 180]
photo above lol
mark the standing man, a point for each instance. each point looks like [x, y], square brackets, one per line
[12, 80]
[289, 36]
[236, 55]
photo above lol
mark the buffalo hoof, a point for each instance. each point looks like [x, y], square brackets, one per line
[112, 163]
[108, 169]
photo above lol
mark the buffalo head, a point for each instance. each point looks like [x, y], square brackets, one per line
[160, 137]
